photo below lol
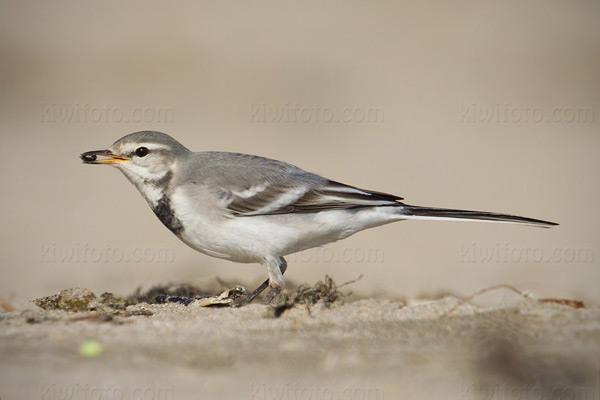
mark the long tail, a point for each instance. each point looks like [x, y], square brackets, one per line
[416, 212]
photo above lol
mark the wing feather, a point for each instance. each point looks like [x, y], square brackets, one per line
[281, 199]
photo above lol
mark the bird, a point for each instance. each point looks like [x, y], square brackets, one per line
[251, 209]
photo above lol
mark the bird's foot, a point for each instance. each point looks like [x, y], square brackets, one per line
[276, 296]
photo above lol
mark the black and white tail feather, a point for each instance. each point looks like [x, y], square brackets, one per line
[416, 212]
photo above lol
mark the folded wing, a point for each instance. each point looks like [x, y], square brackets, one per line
[274, 199]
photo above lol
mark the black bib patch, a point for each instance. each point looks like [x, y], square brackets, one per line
[165, 213]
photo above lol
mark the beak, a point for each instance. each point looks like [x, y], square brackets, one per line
[91, 157]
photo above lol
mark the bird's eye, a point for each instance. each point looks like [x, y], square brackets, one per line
[141, 151]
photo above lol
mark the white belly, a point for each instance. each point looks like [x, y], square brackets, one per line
[254, 238]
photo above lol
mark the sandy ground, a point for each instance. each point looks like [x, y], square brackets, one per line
[362, 349]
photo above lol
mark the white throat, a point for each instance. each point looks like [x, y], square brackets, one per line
[146, 183]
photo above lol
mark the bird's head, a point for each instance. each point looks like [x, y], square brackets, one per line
[145, 157]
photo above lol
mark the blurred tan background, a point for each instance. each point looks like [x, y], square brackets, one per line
[489, 106]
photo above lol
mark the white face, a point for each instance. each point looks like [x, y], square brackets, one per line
[143, 162]
[148, 159]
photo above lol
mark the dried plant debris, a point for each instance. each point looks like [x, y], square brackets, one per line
[108, 305]
[158, 293]
[325, 292]
[185, 294]
[228, 298]
[565, 302]
[101, 309]
[112, 301]
[525, 294]
[74, 299]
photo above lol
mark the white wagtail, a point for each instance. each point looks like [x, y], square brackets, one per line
[249, 209]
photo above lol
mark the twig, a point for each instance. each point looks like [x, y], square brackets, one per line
[526, 294]
[485, 290]
[7, 307]
[351, 282]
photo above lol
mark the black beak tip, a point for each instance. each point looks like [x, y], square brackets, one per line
[90, 157]
[85, 157]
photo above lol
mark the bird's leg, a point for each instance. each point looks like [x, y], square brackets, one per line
[276, 268]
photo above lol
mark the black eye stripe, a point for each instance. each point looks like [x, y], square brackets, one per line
[141, 151]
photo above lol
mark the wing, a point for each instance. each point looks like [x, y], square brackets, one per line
[274, 199]
[251, 185]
